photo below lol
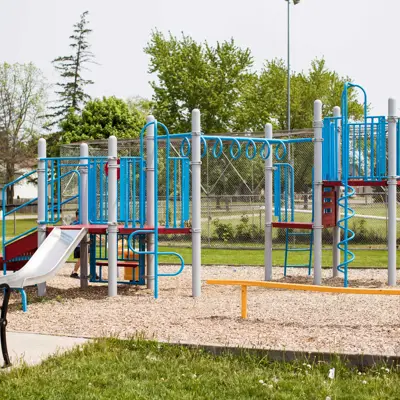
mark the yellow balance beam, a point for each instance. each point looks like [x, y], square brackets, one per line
[307, 288]
[295, 286]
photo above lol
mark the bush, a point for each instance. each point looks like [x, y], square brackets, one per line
[224, 231]
[246, 231]
[363, 235]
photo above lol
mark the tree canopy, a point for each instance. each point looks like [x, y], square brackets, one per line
[221, 82]
[102, 118]
[197, 75]
[23, 95]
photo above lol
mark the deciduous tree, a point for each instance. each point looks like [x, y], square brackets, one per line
[102, 118]
[23, 94]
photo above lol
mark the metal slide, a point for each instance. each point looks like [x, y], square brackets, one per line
[47, 260]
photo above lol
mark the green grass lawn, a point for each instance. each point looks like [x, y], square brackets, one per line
[22, 225]
[133, 369]
[364, 258]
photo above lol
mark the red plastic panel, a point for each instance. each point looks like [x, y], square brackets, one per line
[329, 205]
[294, 225]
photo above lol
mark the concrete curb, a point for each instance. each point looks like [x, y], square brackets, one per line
[353, 360]
[360, 361]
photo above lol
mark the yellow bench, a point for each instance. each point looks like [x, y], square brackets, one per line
[294, 286]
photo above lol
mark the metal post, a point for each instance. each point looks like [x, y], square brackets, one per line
[268, 208]
[150, 199]
[83, 212]
[392, 193]
[336, 229]
[42, 202]
[112, 216]
[196, 204]
[317, 227]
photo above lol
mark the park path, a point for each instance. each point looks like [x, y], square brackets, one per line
[33, 348]
[246, 211]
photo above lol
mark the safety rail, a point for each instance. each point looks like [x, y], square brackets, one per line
[294, 286]
[185, 187]
[366, 150]
[177, 204]
[132, 191]
[156, 254]
[252, 146]
[6, 213]
[287, 180]
[56, 170]
[330, 148]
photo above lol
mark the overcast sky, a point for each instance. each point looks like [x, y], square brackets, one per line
[358, 38]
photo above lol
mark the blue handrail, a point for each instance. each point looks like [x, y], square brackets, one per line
[5, 242]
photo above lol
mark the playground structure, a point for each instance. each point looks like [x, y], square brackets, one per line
[119, 198]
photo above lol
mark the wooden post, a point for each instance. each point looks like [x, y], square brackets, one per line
[244, 301]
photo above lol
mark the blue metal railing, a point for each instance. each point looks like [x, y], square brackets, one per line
[366, 150]
[177, 182]
[132, 191]
[6, 213]
[330, 149]
[252, 146]
[184, 188]
[284, 176]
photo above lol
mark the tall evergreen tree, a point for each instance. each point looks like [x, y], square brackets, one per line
[72, 95]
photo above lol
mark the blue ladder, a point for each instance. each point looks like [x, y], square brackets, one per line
[291, 233]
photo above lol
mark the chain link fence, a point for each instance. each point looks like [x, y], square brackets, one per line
[233, 196]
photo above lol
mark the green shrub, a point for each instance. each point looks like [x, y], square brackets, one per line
[224, 231]
[248, 232]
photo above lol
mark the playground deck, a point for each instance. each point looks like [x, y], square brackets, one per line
[277, 319]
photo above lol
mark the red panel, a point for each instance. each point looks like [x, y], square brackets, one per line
[328, 206]
[358, 182]
[24, 246]
[295, 225]
[131, 264]
[16, 265]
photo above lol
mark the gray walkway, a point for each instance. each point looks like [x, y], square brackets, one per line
[34, 348]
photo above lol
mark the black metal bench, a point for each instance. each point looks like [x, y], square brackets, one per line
[3, 324]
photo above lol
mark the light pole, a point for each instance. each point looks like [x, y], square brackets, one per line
[295, 2]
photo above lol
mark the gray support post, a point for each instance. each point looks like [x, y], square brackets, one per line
[112, 216]
[83, 212]
[392, 193]
[317, 227]
[268, 208]
[196, 204]
[336, 229]
[42, 202]
[150, 199]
